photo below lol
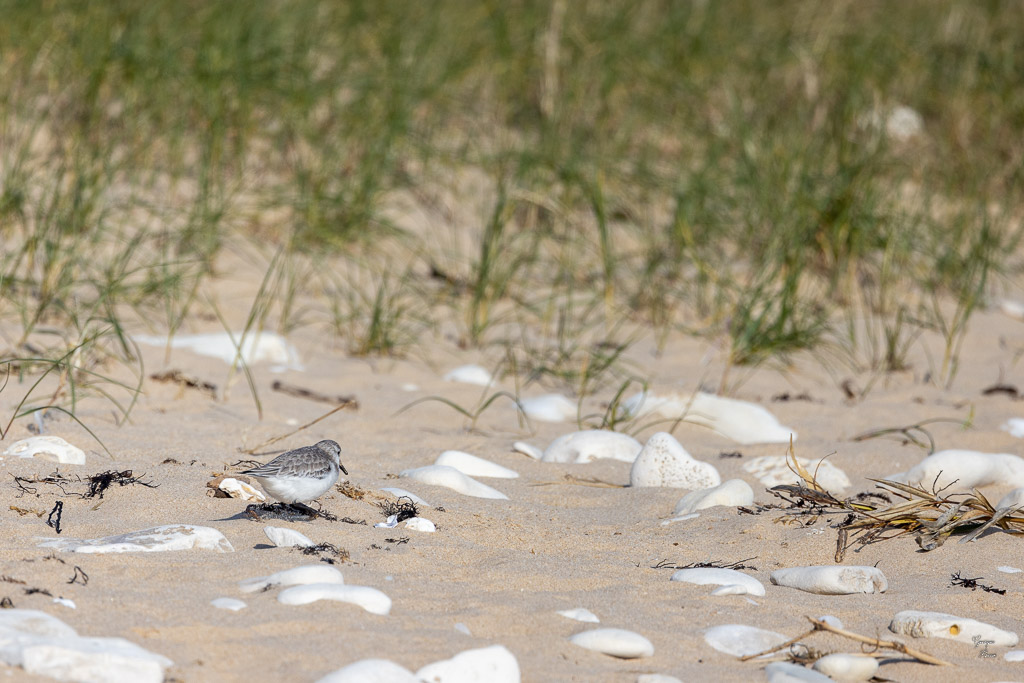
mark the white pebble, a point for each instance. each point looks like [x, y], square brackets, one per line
[371, 671]
[737, 582]
[968, 469]
[420, 524]
[463, 629]
[939, 625]
[664, 462]
[740, 640]
[51, 448]
[494, 664]
[528, 449]
[391, 523]
[470, 374]
[156, 539]
[549, 408]
[732, 493]
[741, 421]
[286, 538]
[449, 477]
[232, 604]
[841, 666]
[832, 621]
[787, 672]
[473, 466]
[832, 580]
[774, 470]
[402, 493]
[903, 123]
[1009, 570]
[616, 642]
[580, 614]
[1015, 425]
[256, 347]
[310, 573]
[239, 489]
[1014, 656]
[66, 602]
[591, 444]
[410, 387]
[370, 599]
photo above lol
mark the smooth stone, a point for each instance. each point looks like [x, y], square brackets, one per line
[1013, 499]
[528, 450]
[296, 576]
[473, 466]
[787, 672]
[256, 347]
[1009, 570]
[46, 646]
[1015, 426]
[494, 664]
[591, 444]
[232, 604]
[1014, 656]
[65, 602]
[740, 640]
[420, 524]
[616, 642]
[773, 470]
[580, 614]
[51, 448]
[241, 490]
[371, 671]
[841, 666]
[370, 599]
[402, 493]
[938, 625]
[657, 678]
[741, 421]
[287, 538]
[715, 576]
[156, 539]
[664, 462]
[549, 408]
[731, 493]
[451, 478]
[832, 621]
[968, 469]
[832, 580]
[470, 374]
[463, 629]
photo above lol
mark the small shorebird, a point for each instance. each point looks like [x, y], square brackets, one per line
[302, 474]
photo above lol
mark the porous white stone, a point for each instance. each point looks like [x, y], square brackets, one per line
[787, 672]
[257, 347]
[528, 450]
[239, 489]
[741, 421]
[296, 576]
[616, 642]
[420, 524]
[473, 466]
[959, 470]
[740, 640]
[232, 604]
[591, 444]
[494, 664]
[841, 666]
[939, 625]
[736, 582]
[549, 408]
[664, 462]
[156, 539]
[51, 448]
[470, 374]
[730, 493]
[46, 646]
[287, 538]
[402, 493]
[832, 579]
[370, 599]
[371, 671]
[449, 477]
[773, 470]
[580, 614]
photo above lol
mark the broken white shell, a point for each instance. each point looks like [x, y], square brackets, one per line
[52, 448]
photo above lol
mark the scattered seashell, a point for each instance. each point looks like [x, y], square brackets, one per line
[773, 470]
[391, 523]
[549, 408]
[939, 625]
[287, 538]
[232, 604]
[370, 599]
[841, 666]
[449, 477]
[473, 466]
[70, 604]
[296, 576]
[51, 448]
[616, 642]
[1015, 426]
[1009, 570]
[528, 449]
[740, 640]
[735, 582]
[371, 671]
[580, 614]
[731, 493]
[231, 487]
[741, 421]
[591, 444]
[964, 470]
[787, 672]
[664, 462]
[494, 664]
[470, 374]
[420, 524]
[402, 493]
[256, 347]
[832, 580]
[156, 539]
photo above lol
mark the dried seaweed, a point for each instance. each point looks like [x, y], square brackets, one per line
[185, 382]
[79, 576]
[404, 508]
[714, 564]
[957, 580]
[328, 552]
[58, 509]
[98, 483]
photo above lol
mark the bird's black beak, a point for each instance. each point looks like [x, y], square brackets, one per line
[342, 467]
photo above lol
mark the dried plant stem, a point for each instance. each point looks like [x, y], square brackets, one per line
[253, 450]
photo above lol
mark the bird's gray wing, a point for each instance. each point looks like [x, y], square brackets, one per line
[307, 461]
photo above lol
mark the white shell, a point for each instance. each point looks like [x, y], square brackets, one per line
[286, 538]
[740, 640]
[741, 421]
[370, 599]
[470, 374]
[703, 576]
[52, 448]
[616, 642]
[239, 489]
[664, 462]
[494, 664]
[371, 671]
[528, 449]
[832, 579]
[256, 347]
[233, 604]
[402, 493]
[731, 493]
[449, 477]
[549, 408]
[787, 672]
[939, 625]
[306, 574]
[420, 524]
[155, 539]
[968, 469]
[580, 614]
[773, 470]
[591, 444]
[473, 466]
[841, 666]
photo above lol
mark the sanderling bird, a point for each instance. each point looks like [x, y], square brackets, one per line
[302, 474]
